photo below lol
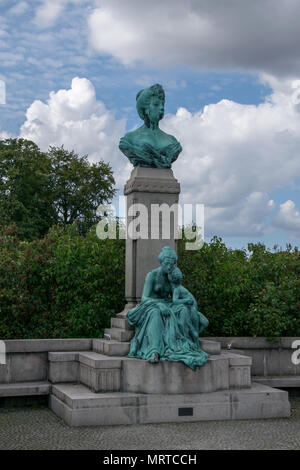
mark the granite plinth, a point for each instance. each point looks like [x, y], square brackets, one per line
[78, 406]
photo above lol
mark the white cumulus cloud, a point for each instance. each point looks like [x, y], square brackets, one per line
[235, 155]
[288, 218]
[76, 119]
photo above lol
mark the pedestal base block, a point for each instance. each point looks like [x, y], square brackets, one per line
[78, 406]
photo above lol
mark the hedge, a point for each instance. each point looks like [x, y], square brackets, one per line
[67, 285]
[63, 286]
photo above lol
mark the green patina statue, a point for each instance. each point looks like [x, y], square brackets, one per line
[167, 320]
[149, 146]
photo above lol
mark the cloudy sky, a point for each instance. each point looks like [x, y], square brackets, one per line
[231, 71]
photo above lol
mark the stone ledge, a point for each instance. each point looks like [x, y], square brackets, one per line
[277, 381]
[117, 415]
[144, 185]
[119, 334]
[99, 361]
[25, 389]
[47, 345]
[80, 396]
[153, 180]
[65, 356]
[237, 359]
[246, 342]
[119, 322]
[111, 348]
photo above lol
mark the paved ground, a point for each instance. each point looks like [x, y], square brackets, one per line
[38, 428]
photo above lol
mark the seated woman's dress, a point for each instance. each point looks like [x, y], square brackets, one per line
[171, 331]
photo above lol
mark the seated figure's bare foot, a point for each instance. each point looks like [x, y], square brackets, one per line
[154, 359]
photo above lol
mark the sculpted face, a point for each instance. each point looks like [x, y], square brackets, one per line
[167, 265]
[155, 110]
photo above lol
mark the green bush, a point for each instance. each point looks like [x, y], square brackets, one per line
[242, 295]
[69, 285]
[64, 285]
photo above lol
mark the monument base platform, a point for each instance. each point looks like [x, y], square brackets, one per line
[79, 406]
[91, 388]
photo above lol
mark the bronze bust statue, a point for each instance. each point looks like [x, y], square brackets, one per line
[149, 146]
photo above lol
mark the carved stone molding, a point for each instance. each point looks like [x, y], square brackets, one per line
[147, 185]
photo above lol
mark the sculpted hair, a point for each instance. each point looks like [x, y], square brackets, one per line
[176, 275]
[144, 96]
[167, 252]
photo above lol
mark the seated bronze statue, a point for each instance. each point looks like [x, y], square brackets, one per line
[149, 146]
[167, 320]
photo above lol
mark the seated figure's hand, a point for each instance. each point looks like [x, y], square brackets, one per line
[187, 301]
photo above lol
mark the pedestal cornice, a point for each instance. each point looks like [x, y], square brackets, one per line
[152, 180]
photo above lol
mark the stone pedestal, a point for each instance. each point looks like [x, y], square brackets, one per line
[109, 390]
[79, 406]
[148, 186]
[221, 372]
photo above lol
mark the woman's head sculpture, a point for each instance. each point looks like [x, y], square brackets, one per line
[146, 97]
[167, 259]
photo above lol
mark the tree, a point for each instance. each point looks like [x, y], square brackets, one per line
[24, 188]
[41, 189]
[78, 187]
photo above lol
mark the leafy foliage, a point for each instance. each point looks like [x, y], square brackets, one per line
[78, 187]
[38, 189]
[70, 285]
[62, 286]
[244, 293]
[25, 196]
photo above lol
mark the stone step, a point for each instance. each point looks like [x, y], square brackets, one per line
[122, 323]
[111, 348]
[77, 396]
[64, 356]
[63, 366]
[119, 334]
[100, 373]
[279, 381]
[99, 361]
[78, 406]
[237, 359]
[46, 345]
[97, 371]
[22, 389]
